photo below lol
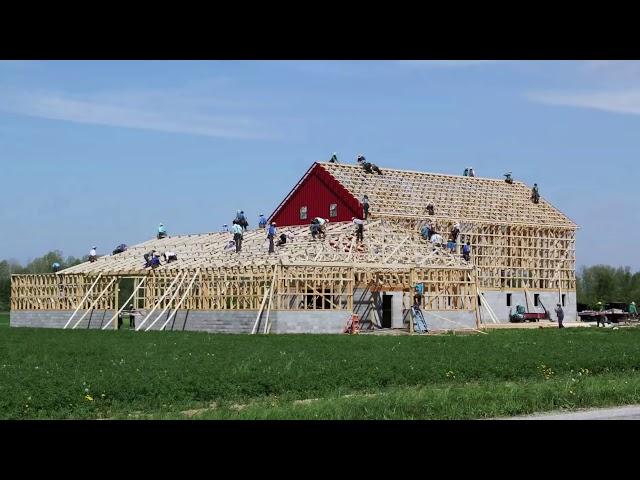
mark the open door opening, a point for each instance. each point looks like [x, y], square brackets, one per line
[386, 311]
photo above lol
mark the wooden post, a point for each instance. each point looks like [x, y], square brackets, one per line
[94, 302]
[135, 290]
[157, 304]
[181, 300]
[83, 300]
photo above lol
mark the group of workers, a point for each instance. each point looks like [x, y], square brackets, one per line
[317, 226]
[429, 233]
[535, 194]
[152, 259]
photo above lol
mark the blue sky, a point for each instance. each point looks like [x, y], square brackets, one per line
[100, 152]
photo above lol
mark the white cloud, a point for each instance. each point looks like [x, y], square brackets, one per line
[174, 111]
[618, 101]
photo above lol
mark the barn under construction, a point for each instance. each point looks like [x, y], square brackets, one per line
[522, 253]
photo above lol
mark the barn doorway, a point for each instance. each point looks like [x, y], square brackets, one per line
[386, 311]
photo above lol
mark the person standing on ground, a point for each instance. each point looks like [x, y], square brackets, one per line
[359, 229]
[236, 229]
[601, 318]
[365, 206]
[633, 311]
[560, 315]
[132, 317]
[271, 235]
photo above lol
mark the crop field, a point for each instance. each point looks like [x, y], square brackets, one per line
[47, 373]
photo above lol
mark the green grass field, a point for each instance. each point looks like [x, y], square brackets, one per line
[4, 319]
[93, 374]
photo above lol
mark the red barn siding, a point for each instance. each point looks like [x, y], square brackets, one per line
[317, 191]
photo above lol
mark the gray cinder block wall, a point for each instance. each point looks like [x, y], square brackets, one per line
[58, 318]
[498, 302]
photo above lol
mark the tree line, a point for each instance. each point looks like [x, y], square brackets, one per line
[603, 283]
[598, 283]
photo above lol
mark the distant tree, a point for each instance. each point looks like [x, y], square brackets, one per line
[603, 283]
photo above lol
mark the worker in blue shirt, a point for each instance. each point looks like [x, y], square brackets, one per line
[271, 235]
[236, 229]
[242, 220]
[262, 222]
[162, 232]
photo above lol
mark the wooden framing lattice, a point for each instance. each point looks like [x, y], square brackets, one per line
[515, 244]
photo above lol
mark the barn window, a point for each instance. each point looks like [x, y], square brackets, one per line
[536, 299]
[508, 299]
[303, 213]
[564, 297]
[333, 210]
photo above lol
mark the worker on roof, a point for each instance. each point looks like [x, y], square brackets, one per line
[155, 260]
[321, 226]
[359, 228]
[436, 239]
[148, 258]
[262, 222]
[453, 237]
[334, 158]
[93, 256]
[225, 228]
[368, 166]
[466, 251]
[535, 194]
[466, 172]
[169, 256]
[55, 267]
[430, 209]
[365, 206]
[119, 249]
[508, 178]
[162, 232]
[281, 240]
[236, 229]
[426, 231]
[242, 220]
[471, 172]
[271, 234]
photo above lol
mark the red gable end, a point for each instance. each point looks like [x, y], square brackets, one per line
[317, 190]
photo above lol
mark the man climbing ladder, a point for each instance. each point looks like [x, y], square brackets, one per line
[420, 325]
